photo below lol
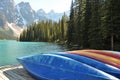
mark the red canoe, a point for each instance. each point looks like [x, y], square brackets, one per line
[103, 58]
[111, 54]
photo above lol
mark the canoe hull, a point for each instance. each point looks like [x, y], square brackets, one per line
[51, 67]
[49, 73]
[94, 63]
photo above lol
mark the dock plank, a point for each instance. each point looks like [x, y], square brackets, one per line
[14, 72]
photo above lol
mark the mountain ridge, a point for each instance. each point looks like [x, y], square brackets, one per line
[22, 15]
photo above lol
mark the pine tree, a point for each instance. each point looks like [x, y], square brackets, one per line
[95, 37]
[64, 26]
[71, 25]
[112, 23]
[85, 22]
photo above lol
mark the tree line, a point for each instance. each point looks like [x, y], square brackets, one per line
[92, 24]
[46, 31]
[95, 24]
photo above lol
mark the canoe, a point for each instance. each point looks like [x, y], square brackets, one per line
[94, 63]
[56, 67]
[115, 52]
[103, 58]
[111, 54]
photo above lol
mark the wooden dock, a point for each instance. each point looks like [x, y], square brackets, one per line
[14, 72]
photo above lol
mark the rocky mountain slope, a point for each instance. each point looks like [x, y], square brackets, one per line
[15, 17]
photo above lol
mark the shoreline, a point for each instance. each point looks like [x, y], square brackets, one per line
[14, 72]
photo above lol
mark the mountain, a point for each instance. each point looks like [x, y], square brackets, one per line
[51, 15]
[25, 14]
[8, 29]
[54, 16]
[7, 10]
[15, 17]
[2, 21]
[41, 15]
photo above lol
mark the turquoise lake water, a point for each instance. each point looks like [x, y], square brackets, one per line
[10, 50]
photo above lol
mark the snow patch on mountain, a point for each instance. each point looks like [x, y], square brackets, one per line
[17, 30]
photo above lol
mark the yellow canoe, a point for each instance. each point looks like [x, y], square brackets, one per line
[100, 57]
[103, 52]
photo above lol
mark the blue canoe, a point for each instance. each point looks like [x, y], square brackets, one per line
[56, 67]
[94, 63]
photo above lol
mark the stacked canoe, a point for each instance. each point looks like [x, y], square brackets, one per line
[74, 65]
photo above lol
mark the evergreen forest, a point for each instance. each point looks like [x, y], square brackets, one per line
[92, 24]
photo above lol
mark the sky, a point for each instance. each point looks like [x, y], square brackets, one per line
[48, 5]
